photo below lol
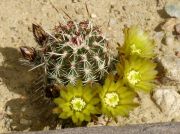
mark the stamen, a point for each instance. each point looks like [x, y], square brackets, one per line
[134, 49]
[133, 77]
[78, 104]
[111, 99]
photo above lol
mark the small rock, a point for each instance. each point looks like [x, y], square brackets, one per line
[177, 28]
[173, 8]
[93, 15]
[25, 122]
[169, 40]
[159, 36]
[144, 119]
[112, 22]
[169, 25]
[169, 101]
[172, 66]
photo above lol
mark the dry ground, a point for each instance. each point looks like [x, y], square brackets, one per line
[16, 17]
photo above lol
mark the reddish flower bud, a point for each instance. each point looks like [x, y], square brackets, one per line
[39, 34]
[28, 53]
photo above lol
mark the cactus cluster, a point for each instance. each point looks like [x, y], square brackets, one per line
[78, 51]
[135, 72]
[78, 61]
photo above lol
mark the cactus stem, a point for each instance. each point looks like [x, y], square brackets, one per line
[76, 50]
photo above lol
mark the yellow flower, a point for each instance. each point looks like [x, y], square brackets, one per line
[77, 102]
[138, 43]
[116, 99]
[139, 73]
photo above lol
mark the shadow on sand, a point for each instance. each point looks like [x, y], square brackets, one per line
[25, 113]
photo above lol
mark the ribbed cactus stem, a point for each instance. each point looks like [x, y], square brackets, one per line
[73, 51]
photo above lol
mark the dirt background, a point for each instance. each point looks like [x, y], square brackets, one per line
[17, 112]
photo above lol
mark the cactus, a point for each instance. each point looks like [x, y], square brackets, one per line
[76, 59]
[73, 51]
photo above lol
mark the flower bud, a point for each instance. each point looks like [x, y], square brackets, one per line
[39, 34]
[28, 53]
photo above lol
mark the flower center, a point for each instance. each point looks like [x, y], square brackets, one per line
[133, 77]
[134, 49]
[111, 99]
[78, 104]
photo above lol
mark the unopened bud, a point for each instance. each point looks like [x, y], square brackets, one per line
[28, 53]
[39, 34]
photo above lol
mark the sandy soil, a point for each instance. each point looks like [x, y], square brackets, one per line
[17, 112]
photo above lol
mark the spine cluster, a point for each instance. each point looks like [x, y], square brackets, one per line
[78, 51]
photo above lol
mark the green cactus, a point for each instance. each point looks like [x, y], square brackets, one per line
[73, 51]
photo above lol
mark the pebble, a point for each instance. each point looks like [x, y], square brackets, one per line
[172, 66]
[168, 100]
[144, 119]
[173, 8]
[168, 26]
[112, 22]
[169, 40]
[93, 15]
